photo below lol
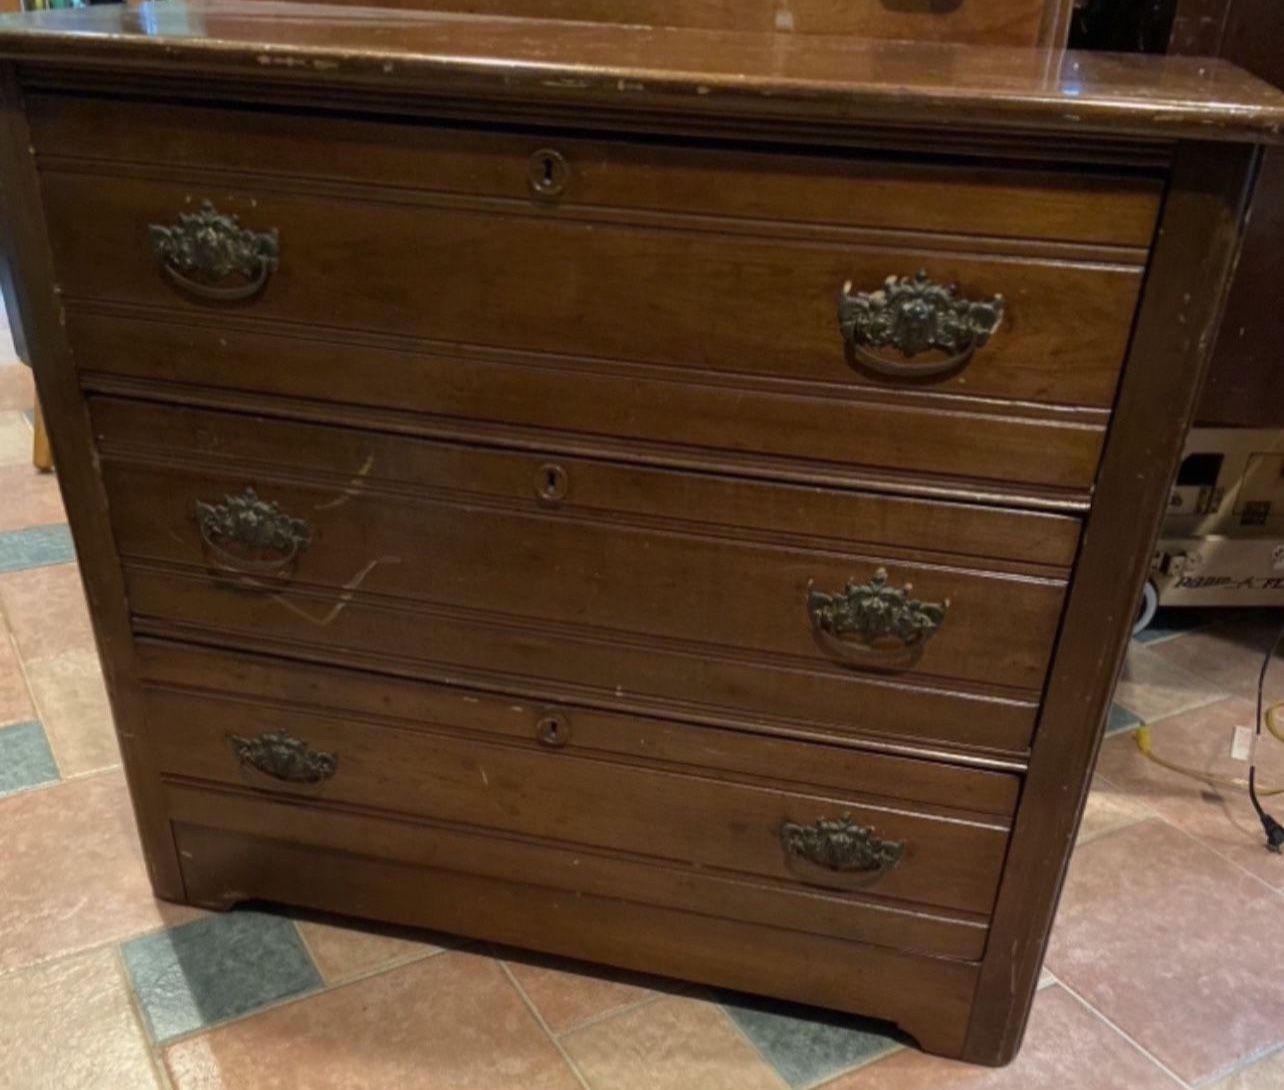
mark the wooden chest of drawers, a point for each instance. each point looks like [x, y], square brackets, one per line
[681, 513]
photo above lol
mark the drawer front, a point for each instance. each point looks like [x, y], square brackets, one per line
[869, 846]
[762, 302]
[866, 190]
[721, 583]
[657, 415]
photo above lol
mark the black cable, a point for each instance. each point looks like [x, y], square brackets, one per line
[1273, 829]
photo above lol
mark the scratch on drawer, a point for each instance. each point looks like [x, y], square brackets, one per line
[355, 487]
[349, 590]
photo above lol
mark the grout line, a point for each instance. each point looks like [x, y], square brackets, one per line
[399, 962]
[140, 1019]
[739, 1031]
[1127, 1037]
[539, 1021]
[1242, 1065]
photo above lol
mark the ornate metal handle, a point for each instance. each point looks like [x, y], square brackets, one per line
[873, 623]
[206, 247]
[913, 315]
[283, 757]
[841, 846]
[245, 535]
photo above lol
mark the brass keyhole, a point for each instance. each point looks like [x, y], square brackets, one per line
[551, 483]
[553, 730]
[548, 172]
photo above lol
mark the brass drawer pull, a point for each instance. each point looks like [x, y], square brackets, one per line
[245, 535]
[204, 248]
[283, 757]
[913, 315]
[841, 846]
[873, 623]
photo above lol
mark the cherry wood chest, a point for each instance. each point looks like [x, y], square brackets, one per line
[675, 497]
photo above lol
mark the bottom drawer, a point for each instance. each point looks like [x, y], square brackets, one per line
[235, 848]
[731, 823]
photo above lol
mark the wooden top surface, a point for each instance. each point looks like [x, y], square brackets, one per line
[728, 73]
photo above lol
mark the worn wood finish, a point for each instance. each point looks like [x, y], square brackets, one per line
[1000, 22]
[26, 249]
[609, 436]
[358, 461]
[553, 794]
[561, 402]
[416, 269]
[332, 862]
[797, 78]
[110, 133]
[1198, 242]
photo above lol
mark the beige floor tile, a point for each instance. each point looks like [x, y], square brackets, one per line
[15, 701]
[1067, 1047]
[1152, 687]
[567, 993]
[72, 873]
[28, 498]
[71, 701]
[671, 1044]
[1229, 654]
[1168, 941]
[345, 950]
[17, 391]
[15, 438]
[1109, 808]
[452, 1022]
[67, 1025]
[1265, 1074]
[1222, 817]
[46, 611]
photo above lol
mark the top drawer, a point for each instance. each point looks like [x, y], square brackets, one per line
[711, 259]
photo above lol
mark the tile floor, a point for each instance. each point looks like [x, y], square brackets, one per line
[1166, 968]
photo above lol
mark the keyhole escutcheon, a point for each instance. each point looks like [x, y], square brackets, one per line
[548, 172]
[550, 483]
[553, 730]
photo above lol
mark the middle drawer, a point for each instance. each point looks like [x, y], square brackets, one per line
[379, 544]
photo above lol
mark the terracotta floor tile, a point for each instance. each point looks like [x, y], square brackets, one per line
[567, 993]
[1152, 687]
[1109, 808]
[17, 391]
[452, 1022]
[1067, 1047]
[1229, 655]
[46, 611]
[1169, 942]
[15, 701]
[72, 873]
[1222, 817]
[15, 438]
[71, 701]
[343, 950]
[67, 1025]
[671, 1044]
[29, 498]
[1265, 1074]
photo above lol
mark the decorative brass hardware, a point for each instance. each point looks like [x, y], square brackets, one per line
[283, 757]
[913, 315]
[874, 621]
[240, 531]
[839, 844]
[548, 172]
[551, 483]
[553, 730]
[206, 247]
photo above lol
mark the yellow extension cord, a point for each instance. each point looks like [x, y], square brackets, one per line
[1276, 728]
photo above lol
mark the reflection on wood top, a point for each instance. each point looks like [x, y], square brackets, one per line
[728, 73]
